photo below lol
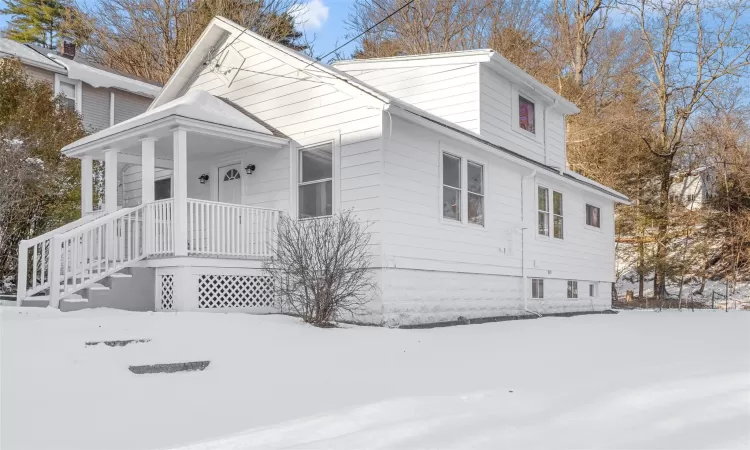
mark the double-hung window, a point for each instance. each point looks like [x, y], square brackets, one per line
[68, 90]
[316, 181]
[572, 289]
[543, 207]
[557, 215]
[593, 216]
[537, 288]
[475, 179]
[543, 212]
[451, 187]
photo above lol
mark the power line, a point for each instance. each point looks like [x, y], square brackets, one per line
[362, 33]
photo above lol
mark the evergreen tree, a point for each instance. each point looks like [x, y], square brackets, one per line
[36, 21]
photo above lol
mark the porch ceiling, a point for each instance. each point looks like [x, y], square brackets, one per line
[212, 127]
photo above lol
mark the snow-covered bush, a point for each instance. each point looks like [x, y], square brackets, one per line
[321, 270]
[40, 187]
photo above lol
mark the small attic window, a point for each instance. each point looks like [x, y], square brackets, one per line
[230, 63]
[526, 114]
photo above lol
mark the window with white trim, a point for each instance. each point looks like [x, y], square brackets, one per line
[315, 188]
[593, 216]
[451, 187]
[475, 179]
[537, 288]
[543, 210]
[526, 115]
[572, 289]
[592, 290]
[557, 214]
[68, 90]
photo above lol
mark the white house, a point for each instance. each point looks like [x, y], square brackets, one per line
[457, 159]
[691, 189]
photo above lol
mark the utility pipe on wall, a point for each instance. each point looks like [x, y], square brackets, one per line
[524, 229]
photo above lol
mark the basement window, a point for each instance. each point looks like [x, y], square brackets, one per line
[537, 288]
[572, 289]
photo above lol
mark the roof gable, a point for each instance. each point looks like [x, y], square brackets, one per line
[221, 32]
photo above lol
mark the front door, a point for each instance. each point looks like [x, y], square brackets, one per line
[230, 184]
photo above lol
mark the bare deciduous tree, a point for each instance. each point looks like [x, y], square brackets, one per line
[149, 38]
[692, 46]
[322, 268]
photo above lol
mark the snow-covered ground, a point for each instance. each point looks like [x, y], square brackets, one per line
[634, 380]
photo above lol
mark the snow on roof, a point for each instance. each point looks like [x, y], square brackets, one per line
[197, 105]
[28, 56]
[100, 78]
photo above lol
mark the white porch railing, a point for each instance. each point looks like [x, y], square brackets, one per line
[96, 250]
[83, 252]
[235, 231]
[38, 248]
[160, 217]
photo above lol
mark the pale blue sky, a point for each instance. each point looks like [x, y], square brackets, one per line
[323, 21]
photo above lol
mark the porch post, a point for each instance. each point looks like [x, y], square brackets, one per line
[179, 138]
[147, 170]
[110, 180]
[87, 185]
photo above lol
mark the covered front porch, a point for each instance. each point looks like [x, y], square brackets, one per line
[189, 161]
[175, 183]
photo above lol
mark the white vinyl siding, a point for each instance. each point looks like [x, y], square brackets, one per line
[449, 90]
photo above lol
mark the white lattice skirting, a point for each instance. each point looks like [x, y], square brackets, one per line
[234, 291]
[166, 292]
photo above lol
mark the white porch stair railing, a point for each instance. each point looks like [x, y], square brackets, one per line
[80, 254]
[93, 251]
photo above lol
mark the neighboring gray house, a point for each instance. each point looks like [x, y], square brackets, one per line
[102, 96]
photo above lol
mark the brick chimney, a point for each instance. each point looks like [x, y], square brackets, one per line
[68, 50]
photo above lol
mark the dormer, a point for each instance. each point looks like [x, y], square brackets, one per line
[480, 91]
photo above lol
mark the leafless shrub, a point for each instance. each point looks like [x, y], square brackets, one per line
[322, 267]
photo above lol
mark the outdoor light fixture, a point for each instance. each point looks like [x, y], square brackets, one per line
[203, 178]
[249, 169]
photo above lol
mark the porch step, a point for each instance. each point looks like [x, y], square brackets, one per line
[121, 275]
[98, 287]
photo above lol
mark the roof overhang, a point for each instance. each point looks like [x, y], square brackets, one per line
[163, 127]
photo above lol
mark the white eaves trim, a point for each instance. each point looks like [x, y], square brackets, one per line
[102, 79]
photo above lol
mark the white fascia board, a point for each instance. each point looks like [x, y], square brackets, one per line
[430, 59]
[469, 137]
[190, 64]
[102, 79]
[509, 70]
[166, 124]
